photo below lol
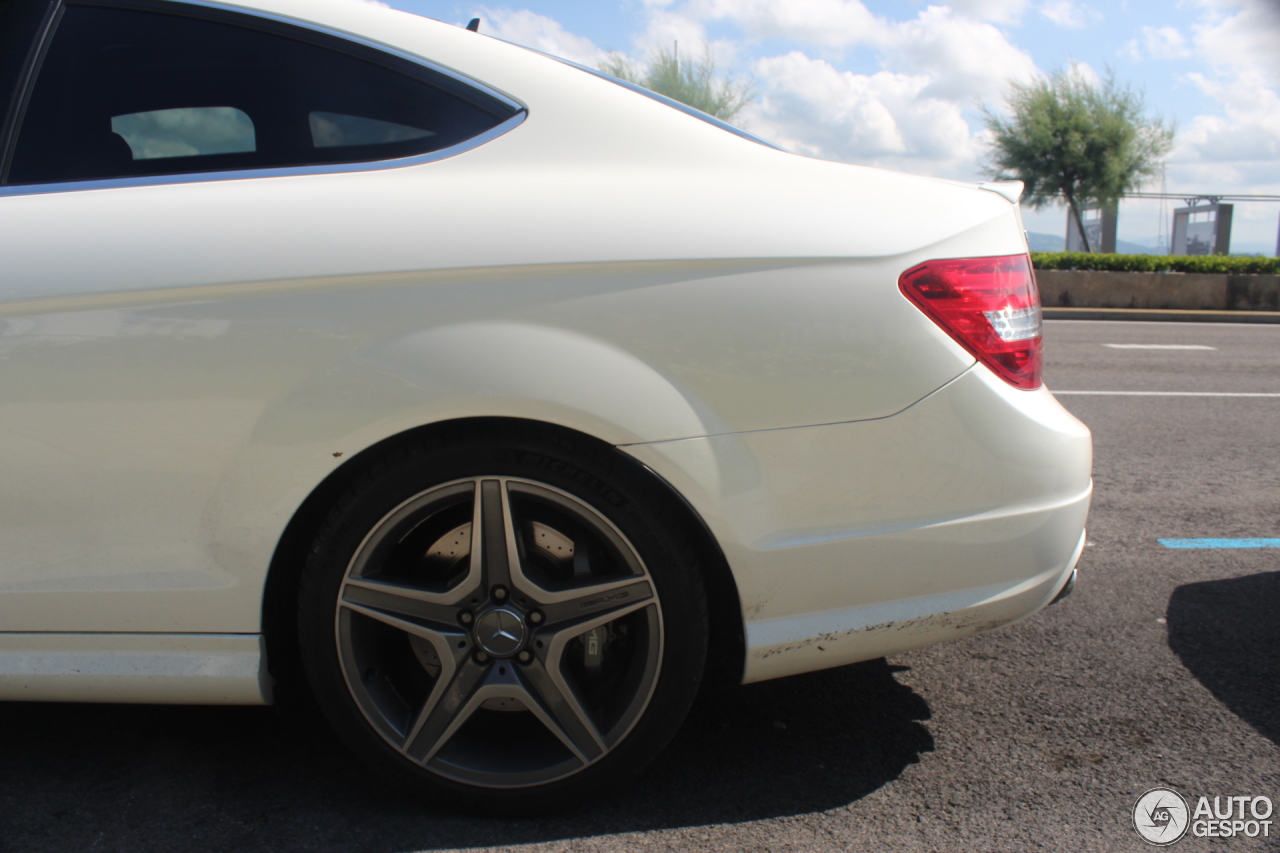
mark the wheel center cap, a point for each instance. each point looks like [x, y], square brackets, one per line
[500, 632]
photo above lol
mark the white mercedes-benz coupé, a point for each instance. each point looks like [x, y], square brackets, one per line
[480, 399]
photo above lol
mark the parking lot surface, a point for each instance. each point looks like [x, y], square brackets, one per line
[1162, 669]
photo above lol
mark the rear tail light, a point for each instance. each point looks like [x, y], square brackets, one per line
[989, 305]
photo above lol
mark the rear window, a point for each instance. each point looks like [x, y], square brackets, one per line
[127, 92]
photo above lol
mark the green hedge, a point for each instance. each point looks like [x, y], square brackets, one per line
[1155, 263]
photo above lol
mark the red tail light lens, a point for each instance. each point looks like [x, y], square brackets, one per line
[989, 305]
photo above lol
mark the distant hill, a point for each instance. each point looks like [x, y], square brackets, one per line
[1041, 242]
[1123, 247]
[1044, 242]
[1251, 247]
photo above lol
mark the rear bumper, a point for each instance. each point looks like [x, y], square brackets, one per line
[851, 541]
[833, 638]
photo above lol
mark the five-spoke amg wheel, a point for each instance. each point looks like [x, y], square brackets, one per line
[517, 635]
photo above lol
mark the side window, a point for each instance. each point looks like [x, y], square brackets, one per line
[129, 93]
[185, 132]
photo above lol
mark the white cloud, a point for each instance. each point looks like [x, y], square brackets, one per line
[539, 32]
[965, 60]
[1157, 43]
[1085, 72]
[828, 23]
[1165, 43]
[667, 30]
[1247, 41]
[1248, 131]
[664, 28]
[882, 119]
[1070, 14]
[996, 11]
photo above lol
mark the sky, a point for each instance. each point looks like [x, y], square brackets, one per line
[902, 84]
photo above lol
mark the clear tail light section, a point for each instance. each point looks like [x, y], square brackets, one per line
[990, 306]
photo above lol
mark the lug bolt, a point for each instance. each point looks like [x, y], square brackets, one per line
[464, 617]
[524, 657]
[481, 657]
[500, 592]
[535, 617]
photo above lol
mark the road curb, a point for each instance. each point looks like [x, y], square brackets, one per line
[1157, 314]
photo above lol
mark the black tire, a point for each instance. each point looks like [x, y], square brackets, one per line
[513, 624]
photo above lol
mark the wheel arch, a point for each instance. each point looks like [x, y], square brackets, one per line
[727, 645]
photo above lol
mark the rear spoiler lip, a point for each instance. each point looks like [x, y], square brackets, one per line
[1011, 190]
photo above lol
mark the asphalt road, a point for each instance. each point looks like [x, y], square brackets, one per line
[1162, 669]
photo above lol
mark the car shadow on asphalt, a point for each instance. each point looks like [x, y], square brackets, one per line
[1227, 634]
[131, 777]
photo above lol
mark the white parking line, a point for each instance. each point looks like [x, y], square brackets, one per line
[1167, 393]
[1158, 346]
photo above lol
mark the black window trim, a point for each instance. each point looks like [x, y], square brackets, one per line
[12, 120]
[281, 25]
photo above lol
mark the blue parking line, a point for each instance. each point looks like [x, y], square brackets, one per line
[1220, 543]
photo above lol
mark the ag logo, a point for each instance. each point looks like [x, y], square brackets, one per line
[1161, 816]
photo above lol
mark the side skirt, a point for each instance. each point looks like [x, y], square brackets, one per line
[182, 669]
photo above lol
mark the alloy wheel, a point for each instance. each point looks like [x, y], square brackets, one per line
[499, 632]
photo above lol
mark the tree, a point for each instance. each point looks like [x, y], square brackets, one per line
[1068, 138]
[689, 81]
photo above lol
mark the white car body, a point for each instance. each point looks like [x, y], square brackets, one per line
[186, 361]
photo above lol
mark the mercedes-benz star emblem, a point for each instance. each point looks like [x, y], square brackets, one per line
[500, 632]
